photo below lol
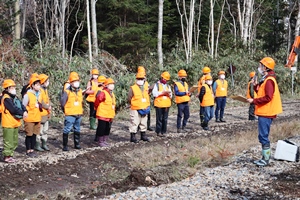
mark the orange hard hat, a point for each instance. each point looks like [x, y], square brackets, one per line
[101, 79]
[73, 77]
[206, 70]
[182, 73]
[141, 69]
[268, 62]
[95, 72]
[208, 77]
[8, 83]
[165, 75]
[109, 81]
[33, 80]
[140, 75]
[221, 72]
[252, 74]
[43, 78]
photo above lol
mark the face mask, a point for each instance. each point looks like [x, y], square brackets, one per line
[140, 82]
[13, 91]
[209, 82]
[222, 76]
[183, 79]
[111, 87]
[163, 81]
[95, 76]
[260, 71]
[76, 84]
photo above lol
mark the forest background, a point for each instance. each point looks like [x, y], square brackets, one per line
[56, 37]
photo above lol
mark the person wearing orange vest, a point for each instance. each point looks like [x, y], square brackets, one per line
[139, 100]
[41, 139]
[71, 103]
[206, 97]
[32, 124]
[220, 91]
[206, 71]
[26, 87]
[267, 106]
[11, 119]
[163, 99]
[91, 92]
[105, 105]
[182, 98]
[251, 94]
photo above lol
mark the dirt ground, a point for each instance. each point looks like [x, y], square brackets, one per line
[95, 172]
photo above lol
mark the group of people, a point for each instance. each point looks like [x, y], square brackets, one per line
[35, 108]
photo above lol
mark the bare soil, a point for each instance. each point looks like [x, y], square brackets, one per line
[99, 172]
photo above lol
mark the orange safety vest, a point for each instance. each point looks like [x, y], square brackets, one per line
[8, 120]
[200, 82]
[221, 90]
[106, 109]
[272, 108]
[92, 97]
[248, 92]
[162, 101]
[44, 98]
[208, 98]
[1, 103]
[181, 88]
[140, 99]
[34, 113]
[74, 103]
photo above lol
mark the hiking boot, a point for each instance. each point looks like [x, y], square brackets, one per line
[133, 138]
[178, 130]
[222, 120]
[217, 120]
[205, 128]
[150, 129]
[144, 137]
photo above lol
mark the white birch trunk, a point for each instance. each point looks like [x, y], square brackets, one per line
[297, 27]
[89, 30]
[219, 28]
[94, 28]
[17, 24]
[160, 32]
[211, 27]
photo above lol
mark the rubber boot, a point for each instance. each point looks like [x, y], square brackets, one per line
[133, 138]
[144, 137]
[77, 140]
[101, 141]
[65, 142]
[266, 158]
[205, 126]
[105, 141]
[93, 123]
[96, 138]
[44, 145]
[38, 146]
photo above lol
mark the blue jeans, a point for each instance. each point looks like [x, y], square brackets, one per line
[208, 112]
[183, 109]
[220, 106]
[72, 121]
[264, 125]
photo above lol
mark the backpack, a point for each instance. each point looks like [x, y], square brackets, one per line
[24, 90]
[18, 103]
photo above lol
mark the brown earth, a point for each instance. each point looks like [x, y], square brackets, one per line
[98, 172]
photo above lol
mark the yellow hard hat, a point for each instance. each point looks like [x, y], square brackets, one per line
[43, 78]
[101, 79]
[140, 75]
[208, 77]
[109, 81]
[221, 72]
[182, 73]
[73, 77]
[206, 70]
[34, 79]
[252, 74]
[166, 76]
[268, 62]
[8, 83]
[95, 72]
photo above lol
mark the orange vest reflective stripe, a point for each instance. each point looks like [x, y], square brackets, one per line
[8, 120]
[74, 103]
[208, 98]
[248, 92]
[221, 90]
[44, 98]
[106, 109]
[34, 113]
[272, 108]
[181, 88]
[92, 97]
[200, 83]
[140, 99]
[162, 101]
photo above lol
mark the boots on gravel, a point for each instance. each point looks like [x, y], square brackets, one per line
[77, 140]
[266, 154]
[96, 138]
[144, 137]
[133, 138]
[101, 142]
[106, 140]
[38, 146]
[65, 142]
[93, 123]
[44, 145]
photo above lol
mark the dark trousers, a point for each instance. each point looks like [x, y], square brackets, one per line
[92, 110]
[161, 120]
[148, 120]
[183, 109]
[201, 114]
[103, 128]
[220, 106]
[251, 112]
[30, 142]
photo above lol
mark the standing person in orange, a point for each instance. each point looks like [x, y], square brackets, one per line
[182, 98]
[91, 92]
[220, 90]
[267, 106]
[206, 97]
[12, 113]
[139, 100]
[41, 139]
[105, 105]
[163, 99]
[251, 94]
[206, 71]
[26, 87]
[32, 123]
[71, 103]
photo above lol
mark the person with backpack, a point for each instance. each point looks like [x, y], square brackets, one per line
[206, 97]
[12, 112]
[41, 139]
[90, 93]
[105, 106]
[220, 87]
[26, 87]
[32, 123]
[72, 105]
[163, 99]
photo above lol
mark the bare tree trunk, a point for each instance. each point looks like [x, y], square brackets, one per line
[17, 25]
[219, 28]
[89, 30]
[94, 28]
[197, 26]
[190, 29]
[45, 9]
[24, 18]
[248, 11]
[160, 32]
[37, 29]
[211, 29]
[297, 27]
[56, 14]
[62, 27]
[233, 24]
